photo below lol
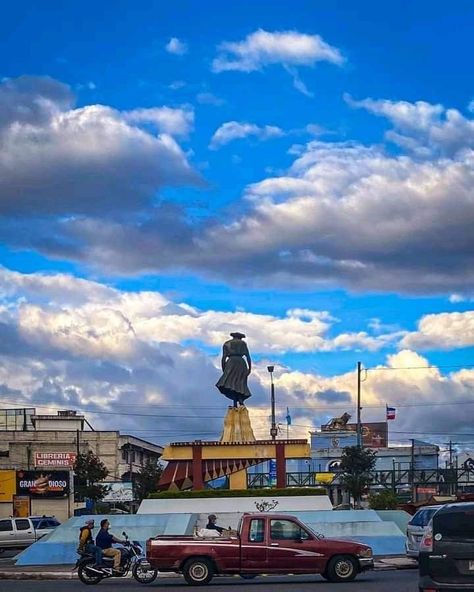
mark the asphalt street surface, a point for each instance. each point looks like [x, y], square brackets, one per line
[386, 581]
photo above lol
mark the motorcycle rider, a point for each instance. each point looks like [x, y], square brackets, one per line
[104, 540]
[86, 542]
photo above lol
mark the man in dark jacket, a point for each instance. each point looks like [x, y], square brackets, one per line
[104, 540]
[211, 524]
[86, 542]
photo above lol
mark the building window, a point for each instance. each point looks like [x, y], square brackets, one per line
[140, 456]
[124, 455]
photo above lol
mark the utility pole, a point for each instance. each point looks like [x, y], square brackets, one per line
[450, 454]
[359, 425]
[412, 470]
[273, 429]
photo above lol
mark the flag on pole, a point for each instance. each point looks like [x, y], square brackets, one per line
[288, 417]
[391, 413]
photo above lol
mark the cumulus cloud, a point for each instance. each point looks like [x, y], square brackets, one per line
[175, 122]
[443, 331]
[176, 47]
[91, 319]
[66, 341]
[57, 159]
[343, 214]
[75, 343]
[286, 48]
[262, 48]
[421, 127]
[235, 130]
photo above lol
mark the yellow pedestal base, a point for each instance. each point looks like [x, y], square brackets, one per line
[237, 427]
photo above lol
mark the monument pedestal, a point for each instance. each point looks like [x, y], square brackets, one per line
[237, 426]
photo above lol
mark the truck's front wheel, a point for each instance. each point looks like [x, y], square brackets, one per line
[342, 568]
[198, 571]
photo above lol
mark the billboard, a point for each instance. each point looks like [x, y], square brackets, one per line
[119, 491]
[21, 506]
[44, 484]
[7, 485]
[55, 459]
[374, 435]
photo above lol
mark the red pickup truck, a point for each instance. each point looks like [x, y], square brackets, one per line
[264, 543]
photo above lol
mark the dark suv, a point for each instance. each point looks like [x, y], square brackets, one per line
[447, 550]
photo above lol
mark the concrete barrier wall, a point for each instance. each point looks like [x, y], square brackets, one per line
[229, 504]
[60, 546]
[365, 526]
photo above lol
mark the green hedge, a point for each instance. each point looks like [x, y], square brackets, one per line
[293, 491]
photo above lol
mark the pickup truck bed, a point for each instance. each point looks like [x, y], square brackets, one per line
[264, 543]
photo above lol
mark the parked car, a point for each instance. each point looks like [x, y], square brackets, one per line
[416, 529]
[19, 533]
[44, 524]
[264, 543]
[446, 560]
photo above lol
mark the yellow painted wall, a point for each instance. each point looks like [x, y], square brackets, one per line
[238, 480]
[7, 485]
[237, 451]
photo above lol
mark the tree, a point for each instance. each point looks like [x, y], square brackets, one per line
[90, 471]
[385, 500]
[356, 466]
[146, 481]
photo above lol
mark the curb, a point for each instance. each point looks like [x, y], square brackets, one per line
[70, 575]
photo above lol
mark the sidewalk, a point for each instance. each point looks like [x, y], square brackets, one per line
[67, 572]
[396, 562]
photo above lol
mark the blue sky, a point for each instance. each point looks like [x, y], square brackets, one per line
[300, 171]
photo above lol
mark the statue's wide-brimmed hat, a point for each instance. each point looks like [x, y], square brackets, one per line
[237, 335]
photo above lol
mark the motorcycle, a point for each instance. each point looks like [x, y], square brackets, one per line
[132, 559]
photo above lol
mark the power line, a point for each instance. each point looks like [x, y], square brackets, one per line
[382, 368]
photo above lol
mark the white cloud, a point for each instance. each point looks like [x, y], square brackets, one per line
[262, 48]
[236, 130]
[406, 223]
[421, 127]
[443, 331]
[76, 343]
[175, 122]
[176, 47]
[88, 319]
[207, 98]
[57, 159]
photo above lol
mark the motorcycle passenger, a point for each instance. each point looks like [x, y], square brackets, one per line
[86, 542]
[104, 540]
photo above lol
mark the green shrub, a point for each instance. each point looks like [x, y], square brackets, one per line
[385, 500]
[205, 493]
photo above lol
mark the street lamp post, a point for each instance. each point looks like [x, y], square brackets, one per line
[273, 429]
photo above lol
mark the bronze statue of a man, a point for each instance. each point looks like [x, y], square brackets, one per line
[233, 382]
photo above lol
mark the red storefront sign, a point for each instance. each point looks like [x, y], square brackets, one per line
[427, 490]
[55, 459]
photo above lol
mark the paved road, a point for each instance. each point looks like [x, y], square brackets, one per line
[401, 581]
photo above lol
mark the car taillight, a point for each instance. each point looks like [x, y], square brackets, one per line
[427, 541]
